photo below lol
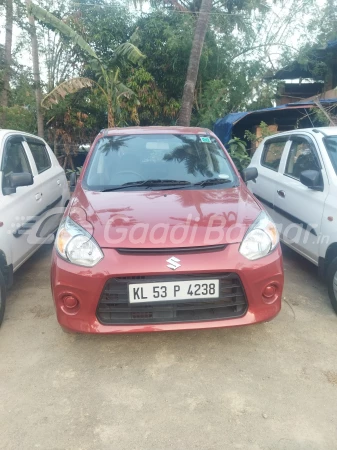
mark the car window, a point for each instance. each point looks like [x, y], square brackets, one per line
[14, 161]
[272, 154]
[301, 157]
[331, 147]
[117, 160]
[40, 155]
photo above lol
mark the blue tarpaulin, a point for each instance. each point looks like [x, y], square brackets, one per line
[223, 127]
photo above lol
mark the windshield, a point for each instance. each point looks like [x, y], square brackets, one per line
[331, 146]
[152, 160]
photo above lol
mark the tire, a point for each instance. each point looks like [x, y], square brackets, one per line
[332, 283]
[2, 297]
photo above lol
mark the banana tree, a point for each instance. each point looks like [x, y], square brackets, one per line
[108, 82]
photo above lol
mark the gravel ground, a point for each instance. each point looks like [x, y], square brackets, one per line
[269, 386]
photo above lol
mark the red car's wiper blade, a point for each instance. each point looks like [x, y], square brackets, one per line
[147, 183]
[211, 181]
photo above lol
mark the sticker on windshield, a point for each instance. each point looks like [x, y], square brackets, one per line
[205, 139]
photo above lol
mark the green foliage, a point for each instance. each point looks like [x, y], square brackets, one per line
[21, 111]
[232, 91]
[18, 118]
[166, 39]
[320, 118]
[223, 85]
[213, 102]
[103, 25]
[323, 25]
[265, 132]
[106, 72]
[237, 150]
[154, 107]
[22, 92]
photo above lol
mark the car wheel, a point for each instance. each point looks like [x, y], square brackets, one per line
[2, 297]
[332, 283]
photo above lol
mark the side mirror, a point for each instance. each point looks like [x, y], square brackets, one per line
[72, 181]
[249, 174]
[17, 180]
[312, 179]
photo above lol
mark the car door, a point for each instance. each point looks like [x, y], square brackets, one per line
[50, 179]
[299, 210]
[267, 160]
[18, 209]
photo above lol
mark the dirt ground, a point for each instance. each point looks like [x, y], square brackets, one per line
[269, 386]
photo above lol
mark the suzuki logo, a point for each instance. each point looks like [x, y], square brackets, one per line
[173, 263]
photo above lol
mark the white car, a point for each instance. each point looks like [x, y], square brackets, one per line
[33, 194]
[297, 184]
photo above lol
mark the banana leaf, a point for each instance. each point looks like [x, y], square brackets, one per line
[67, 87]
[130, 52]
[48, 18]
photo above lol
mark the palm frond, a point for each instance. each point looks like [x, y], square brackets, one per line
[67, 87]
[113, 143]
[48, 18]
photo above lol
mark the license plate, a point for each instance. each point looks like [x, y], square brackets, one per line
[173, 290]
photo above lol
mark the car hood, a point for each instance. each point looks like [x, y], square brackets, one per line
[165, 219]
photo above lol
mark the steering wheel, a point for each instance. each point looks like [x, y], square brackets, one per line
[130, 171]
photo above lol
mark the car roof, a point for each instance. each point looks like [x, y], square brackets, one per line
[329, 131]
[155, 130]
[5, 131]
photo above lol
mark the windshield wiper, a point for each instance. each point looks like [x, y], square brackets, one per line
[202, 183]
[172, 184]
[147, 184]
[210, 181]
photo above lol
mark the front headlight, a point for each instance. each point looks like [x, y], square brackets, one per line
[75, 244]
[261, 238]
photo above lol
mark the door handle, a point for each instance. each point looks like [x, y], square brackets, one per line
[281, 193]
[38, 196]
[58, 182]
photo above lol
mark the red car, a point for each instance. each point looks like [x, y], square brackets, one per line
[162, 234]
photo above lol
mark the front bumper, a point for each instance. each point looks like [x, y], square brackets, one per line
[87, 284]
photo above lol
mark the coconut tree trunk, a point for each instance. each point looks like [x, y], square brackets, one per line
[111, 116]
[36, 71]
[193, 66]
[8, 53]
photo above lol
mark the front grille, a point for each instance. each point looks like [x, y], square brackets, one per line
[114, 306]
[171, 251]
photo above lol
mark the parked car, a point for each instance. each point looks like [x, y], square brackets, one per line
[33, 191]
[162, 233]
[297, 183]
